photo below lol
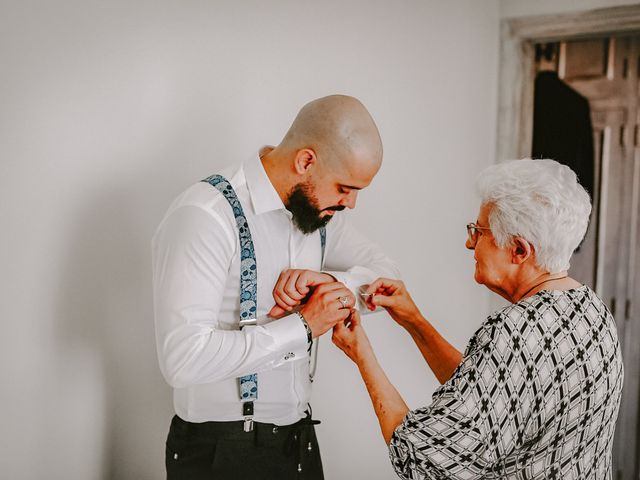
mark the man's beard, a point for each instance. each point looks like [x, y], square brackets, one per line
[304, 208]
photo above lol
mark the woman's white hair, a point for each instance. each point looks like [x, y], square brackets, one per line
[539, 200]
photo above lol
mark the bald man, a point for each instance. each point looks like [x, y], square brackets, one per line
[249, 267]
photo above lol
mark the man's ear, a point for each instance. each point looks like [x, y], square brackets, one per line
[305, 159]
[521, 250]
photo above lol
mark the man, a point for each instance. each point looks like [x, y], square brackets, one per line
[241, 395]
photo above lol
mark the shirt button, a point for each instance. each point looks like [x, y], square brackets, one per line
[275, 430]
[289, 355]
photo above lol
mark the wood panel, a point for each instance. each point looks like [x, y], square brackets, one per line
[604, 69]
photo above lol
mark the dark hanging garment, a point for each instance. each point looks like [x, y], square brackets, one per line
[562, 127]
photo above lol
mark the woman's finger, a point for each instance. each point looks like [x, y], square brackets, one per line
[339, 334]
[355, 319]
[383, 301]
[383, 284]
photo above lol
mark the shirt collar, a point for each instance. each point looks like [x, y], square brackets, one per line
[264, 197]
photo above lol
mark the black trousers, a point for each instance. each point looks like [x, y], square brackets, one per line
[223, 450]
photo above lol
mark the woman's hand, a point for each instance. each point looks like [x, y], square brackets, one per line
[394, 297]
[351, 338]
[389, 406]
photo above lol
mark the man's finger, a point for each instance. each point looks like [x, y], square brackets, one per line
[291, 288]
[293, 294]
[329, 287]
[280, 302]
[302, 285]
[277, 312]
[280, 282]
[285, 300]
[345, 292]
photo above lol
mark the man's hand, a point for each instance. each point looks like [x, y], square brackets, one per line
[293, 286]
[329, 304]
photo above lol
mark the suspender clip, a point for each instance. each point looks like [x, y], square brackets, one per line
[246, 322]
[247, 411]
[248, 424]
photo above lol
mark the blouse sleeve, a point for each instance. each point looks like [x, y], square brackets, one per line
[459, 434]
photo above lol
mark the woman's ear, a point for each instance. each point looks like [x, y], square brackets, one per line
[304, 160]
[521, 250]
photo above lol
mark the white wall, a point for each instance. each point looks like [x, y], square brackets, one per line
[110, 109]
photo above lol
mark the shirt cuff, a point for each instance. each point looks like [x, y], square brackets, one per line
[289, 335]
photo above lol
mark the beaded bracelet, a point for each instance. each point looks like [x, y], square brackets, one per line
[306, 326]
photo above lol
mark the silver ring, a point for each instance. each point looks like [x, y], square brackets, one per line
[344, 301]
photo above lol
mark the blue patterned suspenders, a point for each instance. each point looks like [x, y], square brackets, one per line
[248, 384]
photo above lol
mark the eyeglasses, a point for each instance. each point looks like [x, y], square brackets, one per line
[473, 231]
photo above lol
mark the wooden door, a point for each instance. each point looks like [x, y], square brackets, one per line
[605, 71]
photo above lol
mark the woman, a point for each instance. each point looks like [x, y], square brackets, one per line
[537, 391]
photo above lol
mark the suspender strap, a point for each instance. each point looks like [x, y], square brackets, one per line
[323, 244]
[248, 384]
[248, 265]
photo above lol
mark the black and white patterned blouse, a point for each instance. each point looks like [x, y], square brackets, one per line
[535, 397]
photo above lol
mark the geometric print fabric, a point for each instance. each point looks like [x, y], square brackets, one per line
[536, 396]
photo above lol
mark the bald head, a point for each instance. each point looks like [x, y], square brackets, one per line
[341, 132]
[331, 152]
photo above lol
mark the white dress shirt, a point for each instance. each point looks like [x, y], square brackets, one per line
[196, 284]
